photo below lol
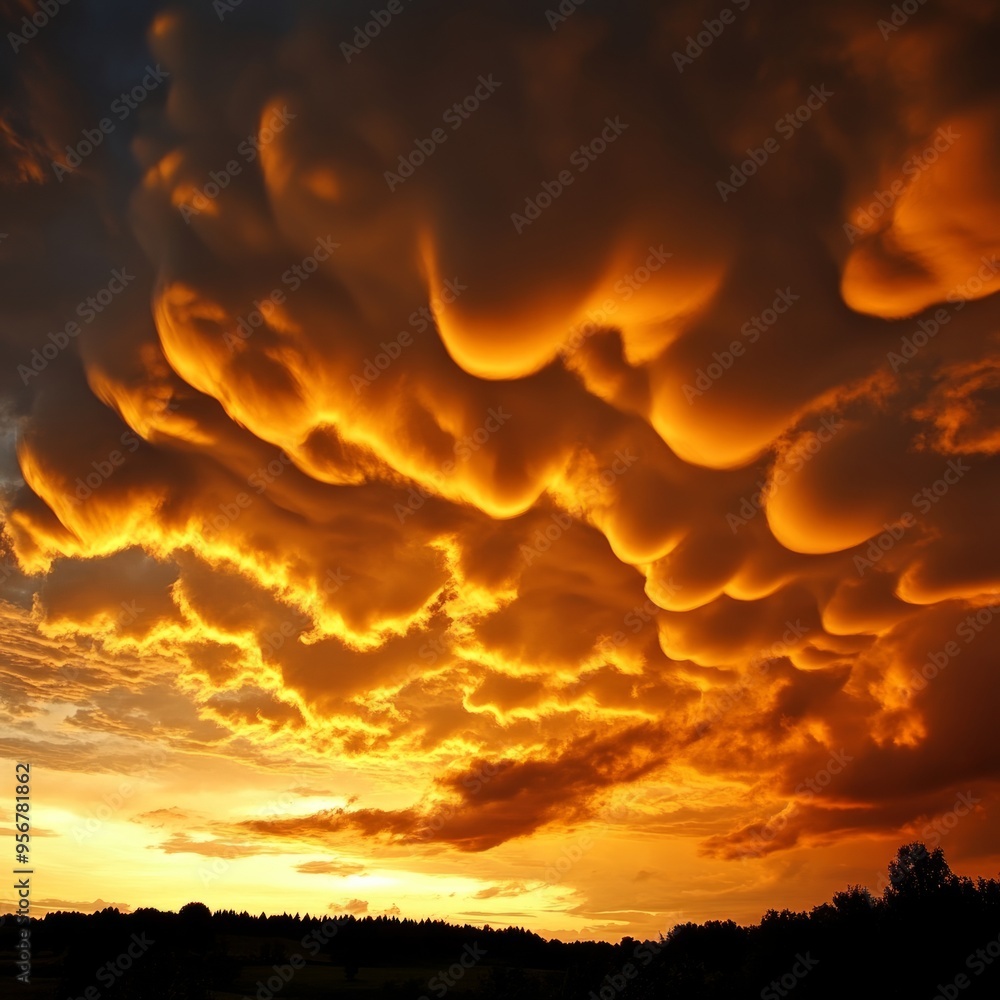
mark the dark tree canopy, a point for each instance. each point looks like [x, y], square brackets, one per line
[930, 933]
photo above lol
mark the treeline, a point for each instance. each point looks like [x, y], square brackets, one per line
[929, 934]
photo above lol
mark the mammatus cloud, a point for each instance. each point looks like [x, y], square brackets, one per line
[583, 420]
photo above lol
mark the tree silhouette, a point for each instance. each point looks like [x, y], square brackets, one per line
[854, 901]
[196, 913]
[918, 875]
[928, 928]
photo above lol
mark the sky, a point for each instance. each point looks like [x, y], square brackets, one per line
[500, 463]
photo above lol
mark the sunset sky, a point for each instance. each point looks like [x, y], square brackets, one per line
[495, 462]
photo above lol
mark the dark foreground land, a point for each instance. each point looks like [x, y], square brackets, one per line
[931, 934]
